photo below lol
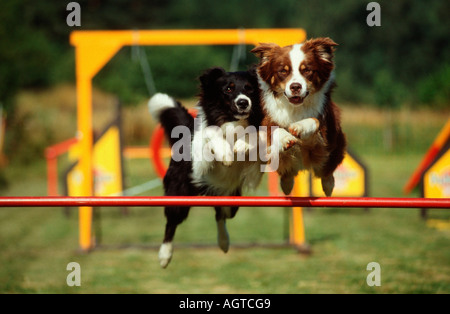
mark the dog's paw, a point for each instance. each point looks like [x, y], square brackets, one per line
[305, 128]
[288, 143]
[223, 153]
[165, 254]
[227, 163]
[283, 140]
[228, 157]
[241, 147]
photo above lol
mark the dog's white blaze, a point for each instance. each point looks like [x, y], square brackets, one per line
[297, 56]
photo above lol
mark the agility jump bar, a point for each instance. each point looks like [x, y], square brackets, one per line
[243, 201]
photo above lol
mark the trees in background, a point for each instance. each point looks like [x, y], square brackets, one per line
[410, 48]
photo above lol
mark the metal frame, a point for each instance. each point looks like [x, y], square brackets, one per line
[245, 201]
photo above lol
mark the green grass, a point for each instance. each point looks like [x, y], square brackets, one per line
[36, 244]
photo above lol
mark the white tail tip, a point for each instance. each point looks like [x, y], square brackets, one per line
[158, 103]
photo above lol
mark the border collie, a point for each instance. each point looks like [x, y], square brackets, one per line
[227, 99]
[296, 83]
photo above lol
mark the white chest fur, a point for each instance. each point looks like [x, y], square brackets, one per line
[212, 173]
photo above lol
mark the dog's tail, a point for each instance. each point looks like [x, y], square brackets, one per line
[170, 113]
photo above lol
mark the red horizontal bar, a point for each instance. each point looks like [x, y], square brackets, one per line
[374, 202]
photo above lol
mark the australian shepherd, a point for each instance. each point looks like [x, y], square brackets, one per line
[203, 164]
[296, 83]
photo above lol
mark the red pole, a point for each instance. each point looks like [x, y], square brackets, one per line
[155, 146]
[51, 154]
[52, 177]
[437, 145]
[206, 201]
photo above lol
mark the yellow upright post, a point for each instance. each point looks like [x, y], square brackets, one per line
[297, 235]
[88, 64]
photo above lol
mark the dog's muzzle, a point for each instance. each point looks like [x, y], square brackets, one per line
[243, 106]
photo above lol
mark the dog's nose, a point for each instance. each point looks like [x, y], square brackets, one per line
[295, 87]
[242, 104]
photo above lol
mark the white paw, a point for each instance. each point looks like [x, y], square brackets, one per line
[241, 147]
[223, 153]
[228, 159]
[202, 167]
[305, 128]
[165, 254]
[282, 140]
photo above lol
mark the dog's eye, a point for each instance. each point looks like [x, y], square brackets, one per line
[304, 69]
[229, 89]
[307, 73]
[284, 70]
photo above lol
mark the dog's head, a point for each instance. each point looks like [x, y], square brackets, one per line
[296, 71]
[234, 94]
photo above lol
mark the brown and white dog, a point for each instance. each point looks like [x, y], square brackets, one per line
[296, 83]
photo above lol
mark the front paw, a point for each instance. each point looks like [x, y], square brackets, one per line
[225, 155]
[285, 140]
[227, 158]
[305, 128]
[241, 147]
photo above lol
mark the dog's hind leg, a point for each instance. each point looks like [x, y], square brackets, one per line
[222, 214]
[328, 185]
[175, 216]
[287, 183]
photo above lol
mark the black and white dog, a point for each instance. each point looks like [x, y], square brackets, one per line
[227, 100]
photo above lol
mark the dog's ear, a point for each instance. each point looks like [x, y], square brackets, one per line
[323, 47]
[210, 76]
[264, 51]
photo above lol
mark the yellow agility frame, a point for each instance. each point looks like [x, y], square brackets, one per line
[93, 49]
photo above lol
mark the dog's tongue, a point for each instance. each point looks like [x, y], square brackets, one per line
[297, 100]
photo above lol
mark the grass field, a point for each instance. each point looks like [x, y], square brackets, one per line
[36, 244]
